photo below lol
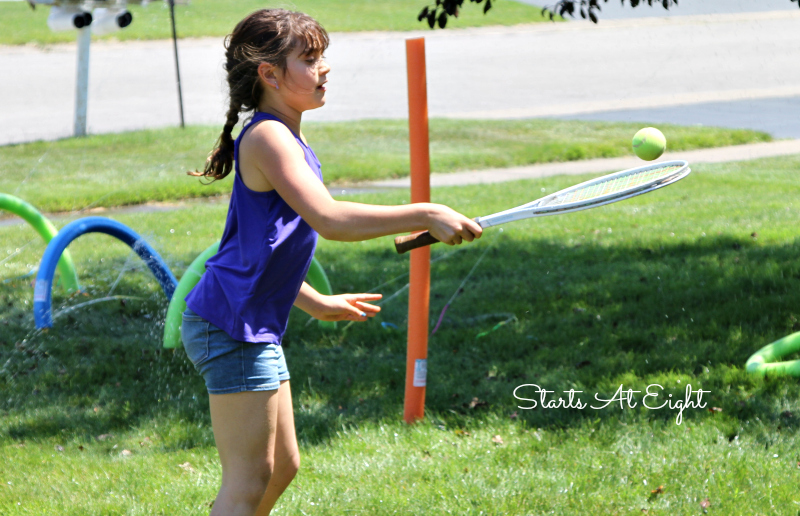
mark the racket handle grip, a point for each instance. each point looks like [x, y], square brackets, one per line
[406, 243]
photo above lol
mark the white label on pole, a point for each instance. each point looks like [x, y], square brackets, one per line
[420, 372]
[40, 291]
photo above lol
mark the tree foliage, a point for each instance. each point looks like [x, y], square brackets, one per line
[439, 12]
[590, 8]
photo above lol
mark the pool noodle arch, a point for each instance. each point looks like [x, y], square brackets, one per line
[319, 281]
[48, 231]
[42, 294]
[762, 362]
[172, 325]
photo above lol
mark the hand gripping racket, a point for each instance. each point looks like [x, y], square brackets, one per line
[589, 194]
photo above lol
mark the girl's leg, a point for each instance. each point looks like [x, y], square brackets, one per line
[287, 455]
[245, 427]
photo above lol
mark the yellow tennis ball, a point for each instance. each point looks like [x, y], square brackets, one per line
[649, 143]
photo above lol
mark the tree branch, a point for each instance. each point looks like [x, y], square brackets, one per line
[439, 12]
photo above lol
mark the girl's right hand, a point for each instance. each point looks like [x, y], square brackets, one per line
[451, 227]
[346, 307]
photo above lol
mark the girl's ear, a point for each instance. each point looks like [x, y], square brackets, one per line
[266, 72]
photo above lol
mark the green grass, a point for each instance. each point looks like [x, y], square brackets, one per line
[675, 287]
[19, 25]
[142, 166]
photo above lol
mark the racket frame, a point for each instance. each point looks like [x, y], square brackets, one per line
[539, 208]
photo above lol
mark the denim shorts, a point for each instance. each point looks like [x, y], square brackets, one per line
[228, 365]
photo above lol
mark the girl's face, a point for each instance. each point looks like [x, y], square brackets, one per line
[302, 84]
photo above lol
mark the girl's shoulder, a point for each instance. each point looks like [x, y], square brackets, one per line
[265, 128]
[268, 135]
[268, 150]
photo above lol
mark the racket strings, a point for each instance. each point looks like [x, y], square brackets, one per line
[614, 185]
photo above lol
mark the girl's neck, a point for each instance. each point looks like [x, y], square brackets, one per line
[289, 117]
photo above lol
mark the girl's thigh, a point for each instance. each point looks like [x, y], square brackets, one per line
[245, 427]
[253, 428]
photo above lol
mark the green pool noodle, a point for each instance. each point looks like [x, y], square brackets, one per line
[172, 325]
[47, 230]
[316, 278]
[763, 361]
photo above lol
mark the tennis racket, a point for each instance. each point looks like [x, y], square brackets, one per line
[589, 194]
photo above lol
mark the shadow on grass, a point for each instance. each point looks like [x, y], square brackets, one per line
[589, 317]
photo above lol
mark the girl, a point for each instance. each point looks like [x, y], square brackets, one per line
[238, 312]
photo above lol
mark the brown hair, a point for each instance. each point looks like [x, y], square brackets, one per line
[265, 36]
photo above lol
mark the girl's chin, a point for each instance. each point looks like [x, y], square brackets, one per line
[315, 105]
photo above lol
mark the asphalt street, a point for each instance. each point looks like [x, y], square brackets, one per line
[734, 69]
[777, 116]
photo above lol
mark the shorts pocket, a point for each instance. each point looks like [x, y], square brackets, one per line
[194, 333]
[189, 315]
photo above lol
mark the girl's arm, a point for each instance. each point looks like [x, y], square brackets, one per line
[350, 307]
[271, 150]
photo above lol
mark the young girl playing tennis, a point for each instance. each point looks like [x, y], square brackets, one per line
[238, 311]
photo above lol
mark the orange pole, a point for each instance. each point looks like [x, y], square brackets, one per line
[419, 290]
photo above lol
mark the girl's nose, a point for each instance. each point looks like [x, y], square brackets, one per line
[324, 67]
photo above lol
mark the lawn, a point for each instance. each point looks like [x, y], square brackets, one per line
[673, 288]
[19, 25]
[151, 165]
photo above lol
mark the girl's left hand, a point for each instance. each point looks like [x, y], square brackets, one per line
[347, 307]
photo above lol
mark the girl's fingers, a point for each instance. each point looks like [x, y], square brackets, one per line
[470, 231]
[356, 313]
[355, 309]
[475, 228]
[368, 307]
[366, 297]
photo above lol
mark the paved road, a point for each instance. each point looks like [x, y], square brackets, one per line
[552, 70]
[777, 116]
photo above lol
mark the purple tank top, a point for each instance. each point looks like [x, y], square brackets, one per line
[250, 285]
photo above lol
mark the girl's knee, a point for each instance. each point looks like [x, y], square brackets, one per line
[288, 468]
[249, 483]
[294, 463]
[264, 471]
